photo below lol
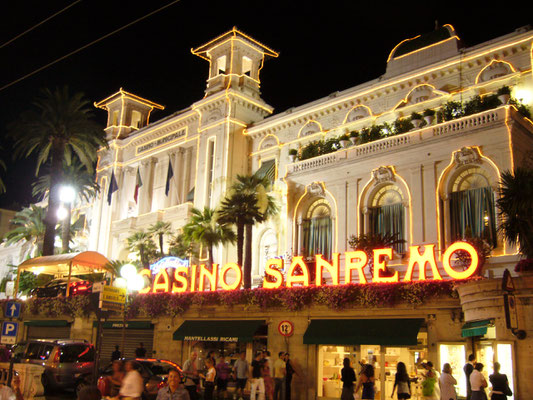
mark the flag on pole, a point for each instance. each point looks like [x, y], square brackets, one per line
[113, 187]
[170, 174]
[138, 185]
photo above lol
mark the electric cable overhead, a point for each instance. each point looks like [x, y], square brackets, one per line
[39, 24]
[88, 45]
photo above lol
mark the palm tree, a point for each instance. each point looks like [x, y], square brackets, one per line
[160, 229]
[516, 209]
[249, 203]
[81, 180]
[58, 127]
[141, 242]
[179, 247]
[204, 228]
[29, 227]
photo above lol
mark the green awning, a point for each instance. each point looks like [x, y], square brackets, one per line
[391, 332]
[218, 330]
[129, 324]
[475, 328]
[47, 322]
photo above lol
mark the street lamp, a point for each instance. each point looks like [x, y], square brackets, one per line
[67, 195]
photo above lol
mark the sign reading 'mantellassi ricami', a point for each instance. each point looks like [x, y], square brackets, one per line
[193, 278]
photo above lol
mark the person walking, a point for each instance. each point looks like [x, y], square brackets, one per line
[241, 369]
[132, 385]
[140, 351]
[190, 370]
[258, 383]
[402, 383]
[500, 384]
[468, 368]
[209, 384]
[289, 373]
[279, 377]
[348, 380]
[116, 378]
[223, 374]
[430, 388]
[367, 382]
[174, 390]
[447, 383]
[478, 383]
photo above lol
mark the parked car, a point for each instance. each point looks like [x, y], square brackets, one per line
[58, 287]
[64, 360]
[153, 371]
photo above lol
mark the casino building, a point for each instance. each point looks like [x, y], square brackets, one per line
[430, 180]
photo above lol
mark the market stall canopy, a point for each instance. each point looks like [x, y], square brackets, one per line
[67, 264]
[387, 332]
[218, 330]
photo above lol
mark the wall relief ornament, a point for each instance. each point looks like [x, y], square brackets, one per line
[467, 155]
[317, 189]
[383, 174]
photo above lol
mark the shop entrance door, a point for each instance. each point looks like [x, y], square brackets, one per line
[490, 351]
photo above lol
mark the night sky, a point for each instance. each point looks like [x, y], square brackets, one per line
[324, 47]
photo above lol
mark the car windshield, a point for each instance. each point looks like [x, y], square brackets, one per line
[159, 368]
[76, 353]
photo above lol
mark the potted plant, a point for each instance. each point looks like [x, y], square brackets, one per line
[293, 155]
[344, 141]
[429, 116]
[504, 94]
[416, 119]
[354, 137]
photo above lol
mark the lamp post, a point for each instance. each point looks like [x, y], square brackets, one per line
[132, 282]
[67, 195]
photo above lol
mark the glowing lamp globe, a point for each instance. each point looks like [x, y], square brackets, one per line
[136, 283]
[62, 213]
[128, 271]
[120, 283]
[67, 194]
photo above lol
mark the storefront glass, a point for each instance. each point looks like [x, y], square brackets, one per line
[505, 358]
[455, 355]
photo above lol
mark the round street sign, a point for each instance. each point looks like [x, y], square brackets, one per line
[286, 328]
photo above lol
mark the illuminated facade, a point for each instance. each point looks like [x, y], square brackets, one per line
[434, 184]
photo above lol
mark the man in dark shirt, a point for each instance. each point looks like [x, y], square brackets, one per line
[116, 354]
[468, 368]
[140, 351]
[258, 384]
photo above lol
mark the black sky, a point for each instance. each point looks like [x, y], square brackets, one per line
[325, 46]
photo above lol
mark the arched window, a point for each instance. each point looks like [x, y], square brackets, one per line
[318, 230]
[472, 211]
[387, 214]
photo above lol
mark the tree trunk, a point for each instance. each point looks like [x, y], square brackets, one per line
[50, 221]
[161, 244]
[65, 230]
[240, 244]
[247, 270]
[210, 258]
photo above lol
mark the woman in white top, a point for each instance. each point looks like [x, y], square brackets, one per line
[209, 384]
[447, 384]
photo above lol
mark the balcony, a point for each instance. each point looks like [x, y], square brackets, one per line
[422, 136]
[177, 215]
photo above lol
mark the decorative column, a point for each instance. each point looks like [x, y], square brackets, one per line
[299, 235]
[186, 173]
[147, 175]
[178, 196]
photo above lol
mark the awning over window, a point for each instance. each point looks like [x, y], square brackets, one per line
[129, 324]
[475, 328]
[390, 332]
[47, 322]
[218, 330]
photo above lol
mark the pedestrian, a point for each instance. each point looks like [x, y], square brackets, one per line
[258, 383]
[447, 383]
[267, 377]
[140, 351]
[174, 390]
[132, 384]
[402, 382]
[116, 354]
[223, 373]
[289, 372]
[115, 380]
[478, 383]
[279, 377]
[209, 384]
[190, 370]
[500, 384]
[430, 388]
[241, 369]
[468, 368]
[367, 382]
[348, 379]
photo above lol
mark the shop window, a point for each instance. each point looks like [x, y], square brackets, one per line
[504, 352]
[455, 355]
[318, 230]
[472, 207]
[387, 214]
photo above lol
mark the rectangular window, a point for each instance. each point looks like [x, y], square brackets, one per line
[247, 66]
[136, 119]
[221, 65]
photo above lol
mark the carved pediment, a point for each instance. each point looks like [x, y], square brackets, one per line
[467, 155]
[383, 174]
[316, 189]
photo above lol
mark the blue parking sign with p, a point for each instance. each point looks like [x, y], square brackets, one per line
[9, 332]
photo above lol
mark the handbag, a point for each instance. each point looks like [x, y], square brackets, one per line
[508, 391]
